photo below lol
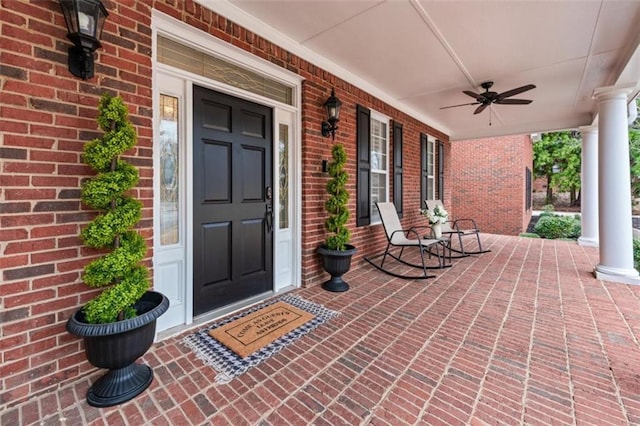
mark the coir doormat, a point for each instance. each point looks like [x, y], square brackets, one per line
[247, 330]
[246, 335]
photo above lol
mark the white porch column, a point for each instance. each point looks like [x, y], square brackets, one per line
[589, 186]
[614, 188]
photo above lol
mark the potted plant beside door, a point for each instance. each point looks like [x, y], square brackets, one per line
[336, 251]
[118, 325]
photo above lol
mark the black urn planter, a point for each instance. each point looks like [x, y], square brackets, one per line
[116, 346]
[336, 263]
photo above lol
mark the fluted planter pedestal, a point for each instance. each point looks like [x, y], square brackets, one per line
[116, 346]
[336, 263]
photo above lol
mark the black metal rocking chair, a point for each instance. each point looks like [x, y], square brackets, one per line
[400, 238]
[462, 228]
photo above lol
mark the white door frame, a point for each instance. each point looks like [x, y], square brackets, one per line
[181, 83]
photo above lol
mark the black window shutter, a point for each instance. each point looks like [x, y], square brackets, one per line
[423, 169]
[528, 189]
[397, 167]
[440, 170]
[363, 179]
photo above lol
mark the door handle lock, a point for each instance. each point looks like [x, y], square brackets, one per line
[268, 217]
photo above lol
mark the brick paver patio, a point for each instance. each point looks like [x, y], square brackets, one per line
[521, 335]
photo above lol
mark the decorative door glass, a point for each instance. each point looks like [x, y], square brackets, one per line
[283, 182]
[169, 172]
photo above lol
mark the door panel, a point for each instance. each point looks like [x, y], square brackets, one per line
[232, 169]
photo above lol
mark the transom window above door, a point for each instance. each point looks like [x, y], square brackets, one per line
[192, 60]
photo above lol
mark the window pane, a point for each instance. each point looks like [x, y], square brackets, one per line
[430, 188]
[283, 182]
[169, 207]
[379, 154]
[378, 145]
[378, 193]
[430, 158]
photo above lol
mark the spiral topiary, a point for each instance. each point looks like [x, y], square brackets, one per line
[336, 204]
[120, 270]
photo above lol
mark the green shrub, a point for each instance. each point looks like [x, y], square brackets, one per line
[119, 272]
[553, 226]
[636, 253]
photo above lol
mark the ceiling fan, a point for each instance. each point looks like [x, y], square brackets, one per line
[487, 98]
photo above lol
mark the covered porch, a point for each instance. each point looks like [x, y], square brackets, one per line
[523, 334]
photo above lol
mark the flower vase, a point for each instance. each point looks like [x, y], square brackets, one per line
[437, 230]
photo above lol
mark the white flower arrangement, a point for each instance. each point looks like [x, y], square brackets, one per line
[437, 215]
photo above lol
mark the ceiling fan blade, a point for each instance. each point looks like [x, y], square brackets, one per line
[478, 97]
[480, 108]
[455, 106]
[516, 91]
[513, 102]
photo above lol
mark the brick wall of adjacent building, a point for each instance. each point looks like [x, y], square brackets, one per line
[47, 115]
[488, 182]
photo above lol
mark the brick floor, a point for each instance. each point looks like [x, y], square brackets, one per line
[523, 334]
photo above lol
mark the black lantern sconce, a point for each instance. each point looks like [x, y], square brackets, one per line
[85, 20]
[332, 106]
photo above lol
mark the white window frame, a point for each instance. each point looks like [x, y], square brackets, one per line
[376, 117]
[431, 168]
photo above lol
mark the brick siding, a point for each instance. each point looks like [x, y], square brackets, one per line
[488, 182]
[46, 117]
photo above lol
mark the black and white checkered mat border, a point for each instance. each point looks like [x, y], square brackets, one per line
[228, 364]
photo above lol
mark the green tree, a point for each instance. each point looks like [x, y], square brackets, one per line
[562, 150]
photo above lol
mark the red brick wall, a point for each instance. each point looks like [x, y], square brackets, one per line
[47, 115]
[488, 182]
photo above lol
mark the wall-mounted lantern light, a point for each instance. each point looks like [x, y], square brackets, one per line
[85, 20]
[332, 106]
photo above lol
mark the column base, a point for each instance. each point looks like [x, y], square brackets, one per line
[617, 275]
[591, 242]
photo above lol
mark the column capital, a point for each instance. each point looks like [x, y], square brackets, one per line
[588, 129]
[612, 92]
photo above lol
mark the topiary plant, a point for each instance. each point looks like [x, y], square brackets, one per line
[125, 280]
[336, 204]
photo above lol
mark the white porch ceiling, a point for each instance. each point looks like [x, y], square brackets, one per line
[419, 55]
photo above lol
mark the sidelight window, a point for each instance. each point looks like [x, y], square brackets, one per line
[169, 172]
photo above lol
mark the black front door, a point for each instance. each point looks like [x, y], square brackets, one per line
[232, 191]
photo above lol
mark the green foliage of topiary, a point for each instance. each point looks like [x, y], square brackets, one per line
[100, 191]
[636, 253]
[119, 271]
[336, 204]
[555, 226]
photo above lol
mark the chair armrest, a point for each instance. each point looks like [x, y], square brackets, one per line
[457, 226]
[417, 228]
[413, 231]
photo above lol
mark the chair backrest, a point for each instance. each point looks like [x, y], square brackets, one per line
[389, 217]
